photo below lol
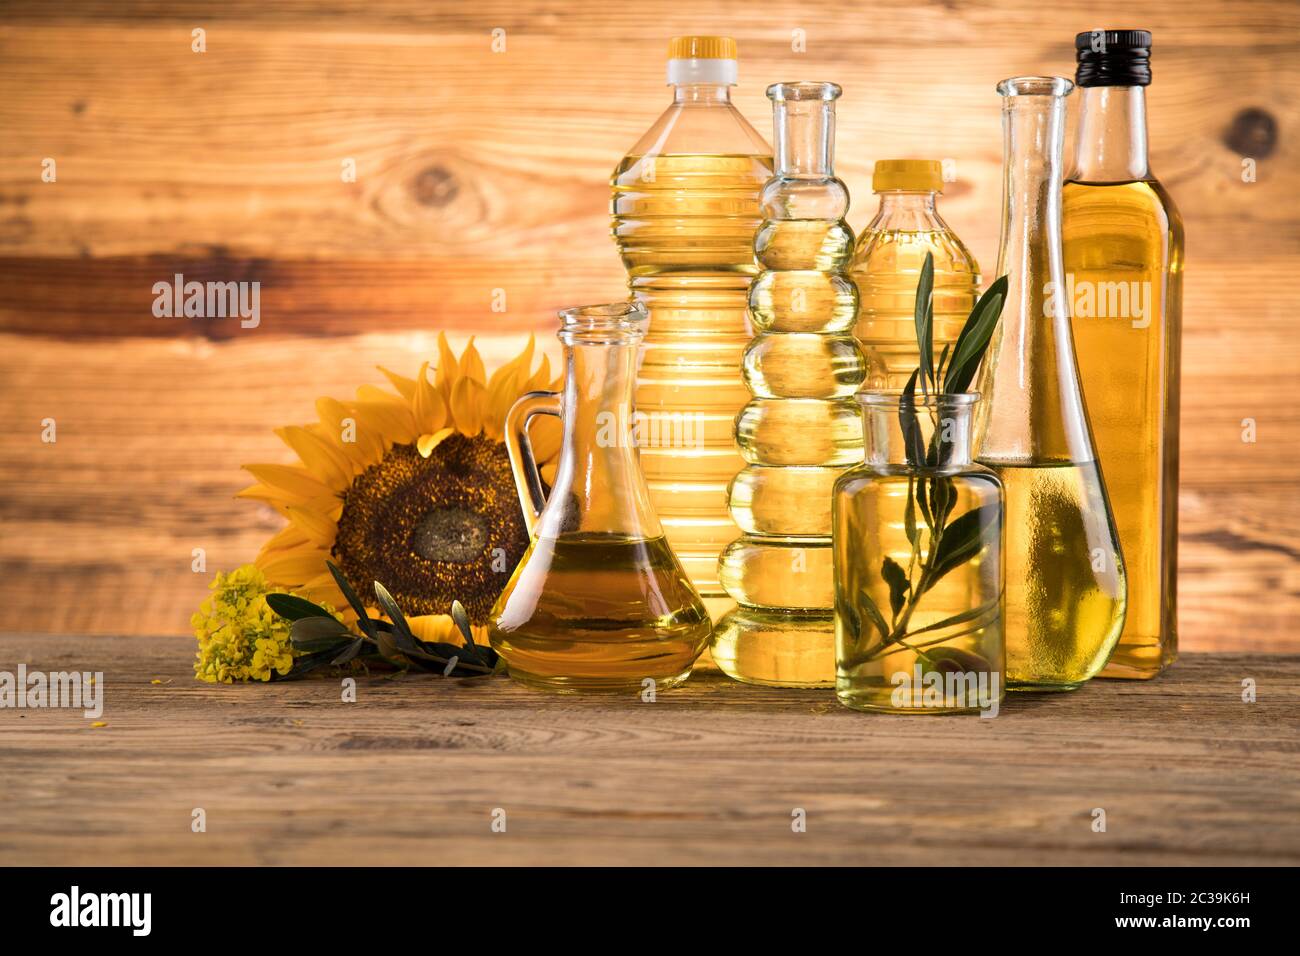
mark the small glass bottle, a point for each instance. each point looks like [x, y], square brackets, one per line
[598, 602]
[887, 264]
[918, 563]
[685, 208]
[1066, 588]
[801, 429]
[1123, 244]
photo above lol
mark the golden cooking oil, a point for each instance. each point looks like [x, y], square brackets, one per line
[1066, 589]
[887, 264]
[685, 208]
[1123, 256]
[596, 611]
[801, 428]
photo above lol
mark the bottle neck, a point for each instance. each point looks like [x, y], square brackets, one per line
[1033, 406]
[907, 211]
[805, 138]
[937, 437]
[599, 487]
[1111, 140]
[701, 94]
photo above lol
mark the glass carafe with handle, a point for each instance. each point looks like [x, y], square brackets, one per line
[599, 602]
[1066, 587]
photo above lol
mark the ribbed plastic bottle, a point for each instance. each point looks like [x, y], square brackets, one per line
[887, 264]
[685, 209]
[802, 427]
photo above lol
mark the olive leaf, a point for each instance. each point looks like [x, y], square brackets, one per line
[899, 585]
[962, 540]
[924, 319]
[294, 608]
[968, 351]
[363, 613]
[869, 606]
[311, 634]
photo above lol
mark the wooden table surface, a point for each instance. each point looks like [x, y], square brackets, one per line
[412, 772]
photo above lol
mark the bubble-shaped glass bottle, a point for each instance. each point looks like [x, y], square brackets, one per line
[801, 429]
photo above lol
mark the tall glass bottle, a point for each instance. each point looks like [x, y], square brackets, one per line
[801, 429]
[685, 208]
[887, 264]
[1123, 244]
[1066, 588]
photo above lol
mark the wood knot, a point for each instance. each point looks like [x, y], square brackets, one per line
[1252, 133]
[435, 186]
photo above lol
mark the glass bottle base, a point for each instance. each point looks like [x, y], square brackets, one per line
[775, 649]
[878, 702]
[1138, 661]
[1041, 687]
[597, 685]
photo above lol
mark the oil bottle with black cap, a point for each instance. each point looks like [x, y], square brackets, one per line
[1123, 263]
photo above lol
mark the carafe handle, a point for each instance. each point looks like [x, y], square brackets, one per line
[528, 480]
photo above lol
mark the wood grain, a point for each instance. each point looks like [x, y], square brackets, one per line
[481, 171]
[708, 774]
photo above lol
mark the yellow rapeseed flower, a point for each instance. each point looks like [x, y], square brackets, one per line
[240, 637]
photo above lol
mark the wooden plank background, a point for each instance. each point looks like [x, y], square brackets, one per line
[480, 171]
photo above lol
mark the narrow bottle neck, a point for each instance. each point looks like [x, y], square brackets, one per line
[1032, 409]
[1111, 140]
[598, 484]
[908, 211]
[1030, 253]
[805, 138]
[701, 94]
[938, 434]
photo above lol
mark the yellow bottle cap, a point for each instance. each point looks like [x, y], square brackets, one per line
[701, 48]
[909, 174]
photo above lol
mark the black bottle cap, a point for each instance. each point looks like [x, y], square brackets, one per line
[1113, 58]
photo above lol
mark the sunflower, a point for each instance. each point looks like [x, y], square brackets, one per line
[411, 488]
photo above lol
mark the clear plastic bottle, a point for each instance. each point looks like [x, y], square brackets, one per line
[685, 209]
[887, 263]
[802, 427]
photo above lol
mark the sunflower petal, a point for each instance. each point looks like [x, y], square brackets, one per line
[448, 368]
[294, 480]
[467, 406]
[541, 380]
[471, 364]
[328, 464]
[388, 415]
[366, 445]
[545, 433]
[405, 386]
[286, 539]
[427, 443]
[316, 526]
[293, 570]
[434, 628]
[430, 409]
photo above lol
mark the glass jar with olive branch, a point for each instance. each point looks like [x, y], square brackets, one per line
[917, 531]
